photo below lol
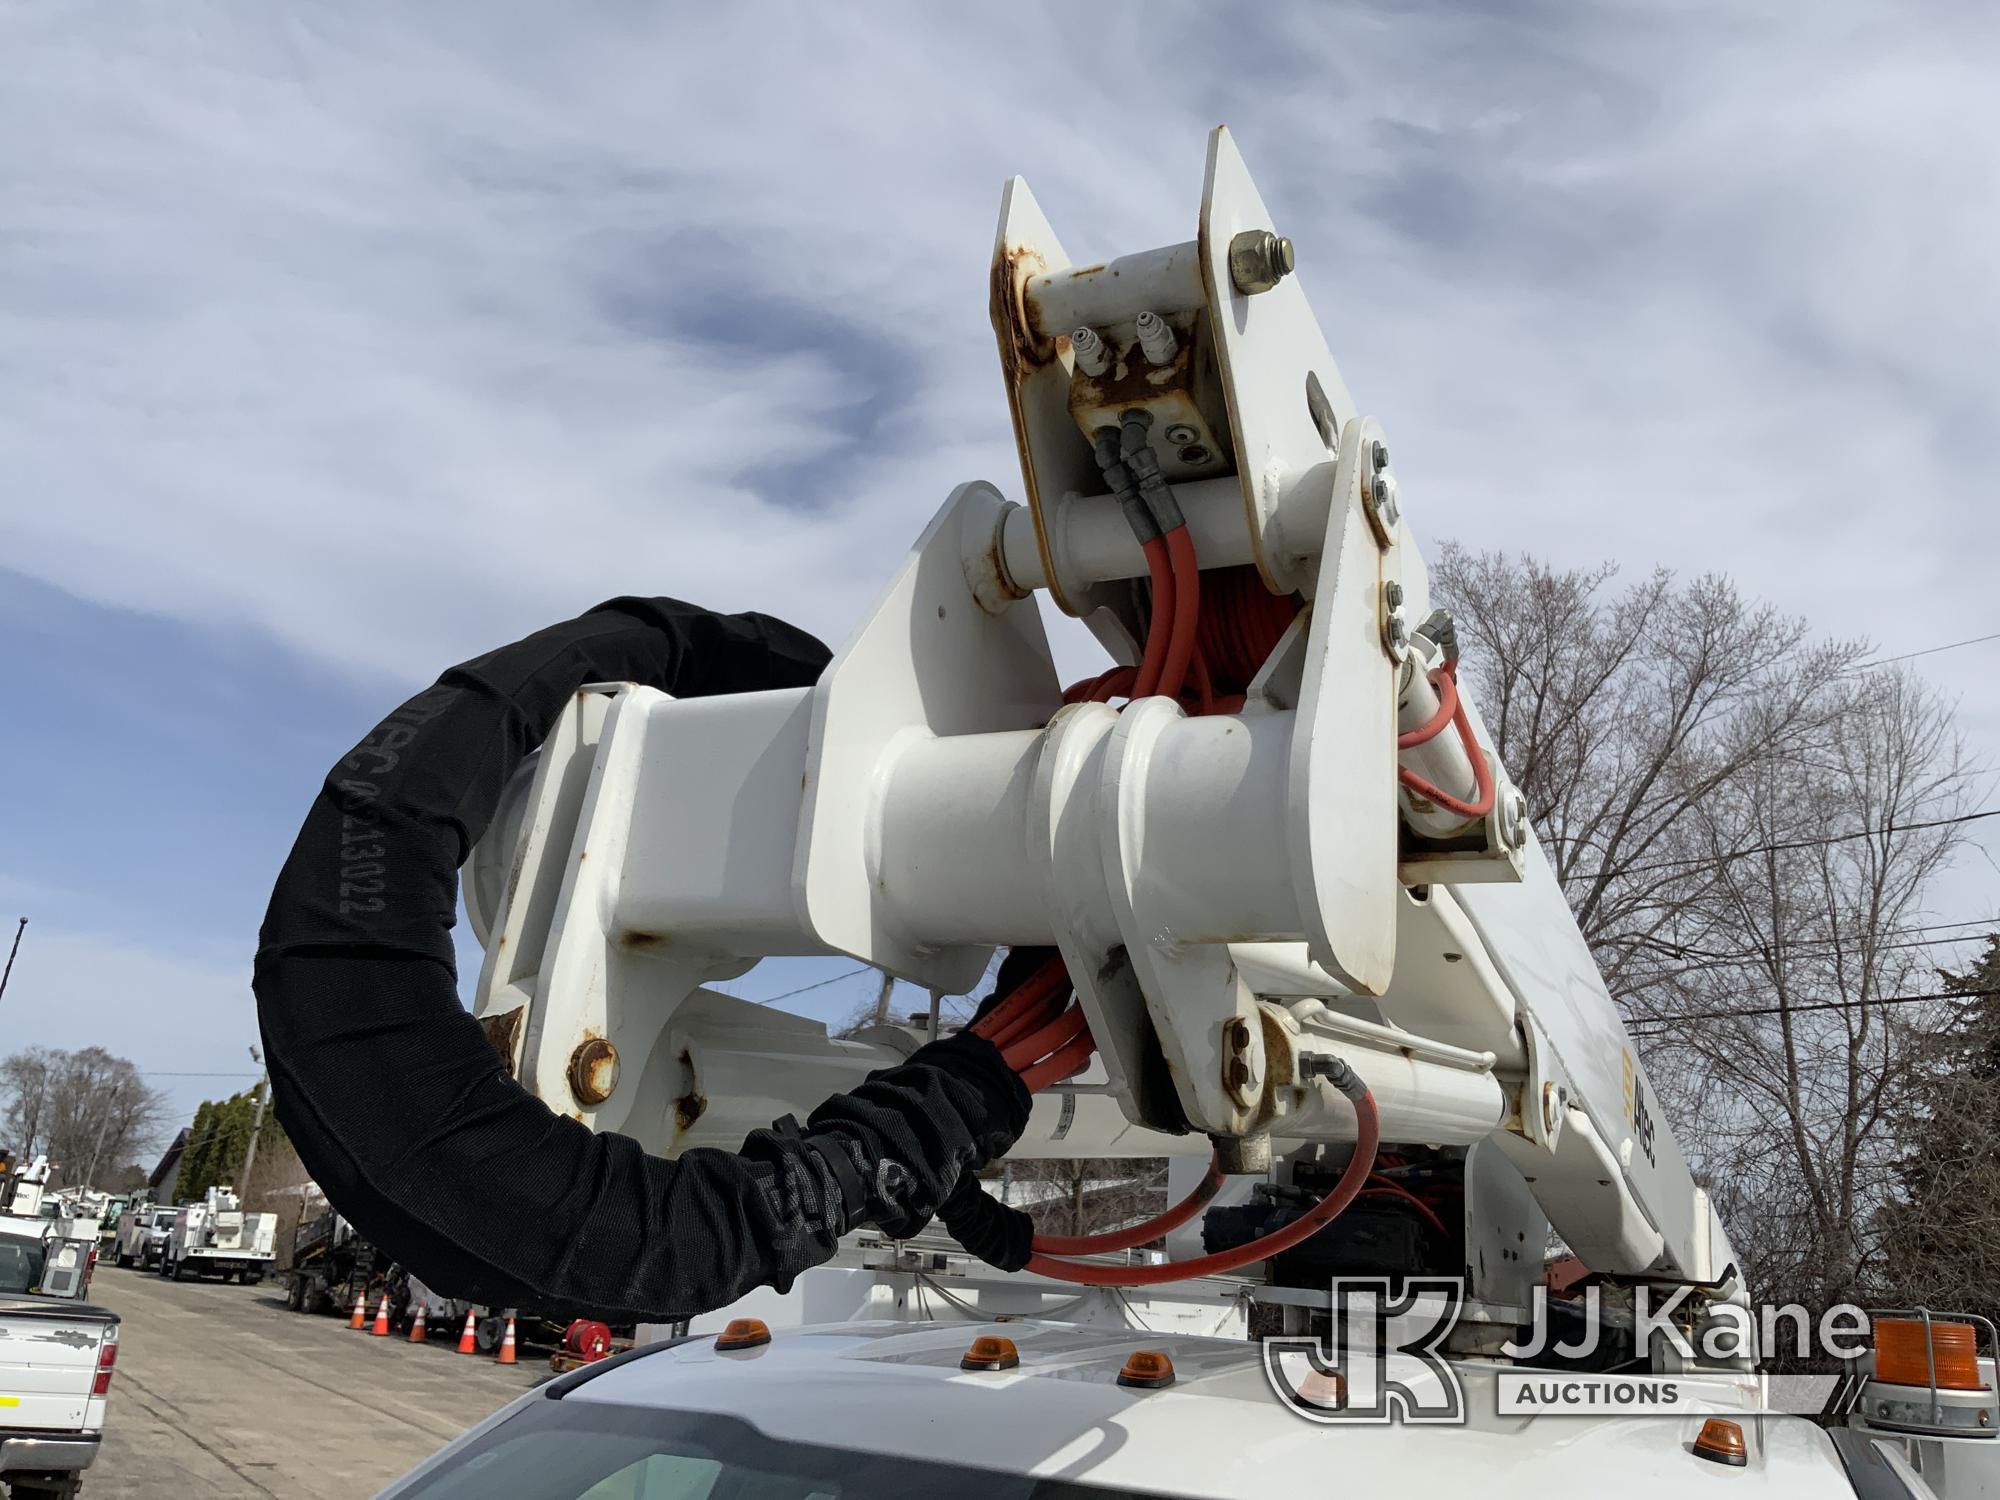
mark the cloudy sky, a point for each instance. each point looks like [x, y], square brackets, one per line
[340, 342]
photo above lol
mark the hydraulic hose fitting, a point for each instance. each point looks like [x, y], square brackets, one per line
[1335, 1070]
[1439, 629]
[1104, 442]
[1137, 452]
[1092, 355]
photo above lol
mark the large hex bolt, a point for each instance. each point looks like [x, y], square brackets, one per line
[1259, 260]
[593, 1071]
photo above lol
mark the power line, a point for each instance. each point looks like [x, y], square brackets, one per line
[802, 989]
[1883, 661]
[1706, 960]
[1831, 838]
[1657, 1022]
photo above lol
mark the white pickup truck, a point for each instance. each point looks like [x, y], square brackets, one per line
[56, 1359]
[142, 1235]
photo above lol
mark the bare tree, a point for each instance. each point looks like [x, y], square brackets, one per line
[1793, 1016]
[1087, 1195]
[25, 1078]
[1729, 808]
[87, 1109]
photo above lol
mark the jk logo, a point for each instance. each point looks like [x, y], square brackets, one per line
[1387, 1361]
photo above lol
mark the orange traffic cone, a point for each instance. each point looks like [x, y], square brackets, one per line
[381, 1328]
[467, 1342]
[419, 1331]
[360, 1318]
[507, 1344]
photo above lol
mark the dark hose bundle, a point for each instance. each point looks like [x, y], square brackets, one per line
[402, 1110]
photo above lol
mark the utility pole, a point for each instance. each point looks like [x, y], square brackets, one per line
[882, 999]
[23, 927]
[103, 1125]
[256, 1126]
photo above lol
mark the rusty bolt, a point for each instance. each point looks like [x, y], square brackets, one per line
[1259, 260]
[593, 1071]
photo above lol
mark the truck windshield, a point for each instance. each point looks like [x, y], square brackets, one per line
[20, 1263]
[588, 1450]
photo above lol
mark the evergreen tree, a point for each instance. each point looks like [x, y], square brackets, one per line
[1941, 1240]
[217, 1142]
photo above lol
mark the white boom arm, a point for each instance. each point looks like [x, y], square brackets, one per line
[1233, 892]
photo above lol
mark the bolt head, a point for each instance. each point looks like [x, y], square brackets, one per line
[593, 1071]
[1259, 260]
[1393, 592]
[1388, 503]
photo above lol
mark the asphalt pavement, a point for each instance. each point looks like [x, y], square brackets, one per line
[221, 1392]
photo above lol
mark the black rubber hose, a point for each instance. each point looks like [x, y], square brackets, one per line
[402, 1110]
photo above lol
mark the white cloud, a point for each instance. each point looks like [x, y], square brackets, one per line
[389, 333]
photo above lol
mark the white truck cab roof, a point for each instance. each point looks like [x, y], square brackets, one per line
[891, 1401]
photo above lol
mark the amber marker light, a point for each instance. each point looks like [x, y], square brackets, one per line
[1721, 1442]
[743, 1333]
[1147, 1370]
[990, 1352]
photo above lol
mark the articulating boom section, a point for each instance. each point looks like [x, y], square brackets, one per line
[1246, 880]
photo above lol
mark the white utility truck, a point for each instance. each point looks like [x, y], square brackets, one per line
[1319, 962]
[143, 1232]
[216, 1238]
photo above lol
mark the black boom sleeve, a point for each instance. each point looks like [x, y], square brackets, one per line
[403, 1112]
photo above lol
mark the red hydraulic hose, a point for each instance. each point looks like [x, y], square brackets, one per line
[1025, 1023]
[1451, 710]
[1038, 1044]
[1444, 682]
[1367, 1137]
[1187, 610]
[1165, 621]
[1482, 775]
[1119, 682]
[1066, 1062]
[1032, 992]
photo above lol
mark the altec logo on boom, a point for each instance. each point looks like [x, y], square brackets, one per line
[1388, 1361]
